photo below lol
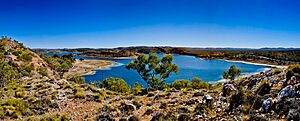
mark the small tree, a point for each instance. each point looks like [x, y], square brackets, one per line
[116, 84]
[153, 70]
[137, 89]
[232, 73]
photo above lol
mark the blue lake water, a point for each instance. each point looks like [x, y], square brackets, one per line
[189, 67]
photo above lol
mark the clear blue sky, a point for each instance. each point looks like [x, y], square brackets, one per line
[114, 23]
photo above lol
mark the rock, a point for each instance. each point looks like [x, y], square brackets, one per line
[207, 99]
[285, 92]
[292, 81]
[297, 89]
[294, 115]
[266, 105]
[228, 89]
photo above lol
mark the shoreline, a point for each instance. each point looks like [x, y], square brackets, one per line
[256, 63]
[245, 75]
[112, 58]
[89, 67]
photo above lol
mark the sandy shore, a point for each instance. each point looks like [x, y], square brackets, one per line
[88, 67]
[112, 58]
[253, 63]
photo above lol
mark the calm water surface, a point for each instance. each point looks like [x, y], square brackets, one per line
[189, 67]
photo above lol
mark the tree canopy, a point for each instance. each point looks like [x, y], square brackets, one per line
[232, 73]
[152, 69]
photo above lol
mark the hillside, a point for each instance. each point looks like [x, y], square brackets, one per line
[33, 87]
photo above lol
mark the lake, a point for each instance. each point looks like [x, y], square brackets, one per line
[189, 67]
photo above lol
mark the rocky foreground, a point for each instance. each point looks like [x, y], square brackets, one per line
[266, 96]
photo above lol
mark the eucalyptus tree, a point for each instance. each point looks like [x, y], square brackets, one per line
[232, 73]
[153, 70]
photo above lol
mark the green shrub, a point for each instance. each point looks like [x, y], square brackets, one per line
[20, 94]
[54, 96]
[7, 73]
[137, 89]
[79, 95]
[77, 79]
[100, 84]
[26, 70]
[43, 72]
[65, 86]
[180, 84]
[16, 53]
[276, 71]
[137, 103]
[198, 84]
[53, 117]
[92, 88]
[99, 97]
[25, 56]
[116, 84]
[150, 94]
[14, 108]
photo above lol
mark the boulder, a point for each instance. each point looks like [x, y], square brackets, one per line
[228, 89]
[294, 115]
[285, 92]
[266, 105]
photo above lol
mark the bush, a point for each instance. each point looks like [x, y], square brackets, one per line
[179, 84]
[43, 72]
[16, 53]
[276, 71]
[150, 94]
[7, 73]
[26, 70]
[20, 94]
[137, 89]
[79, 95]
[198, 84]
[77, 79]
[116, 84]
[99, 98]
[25, 56]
